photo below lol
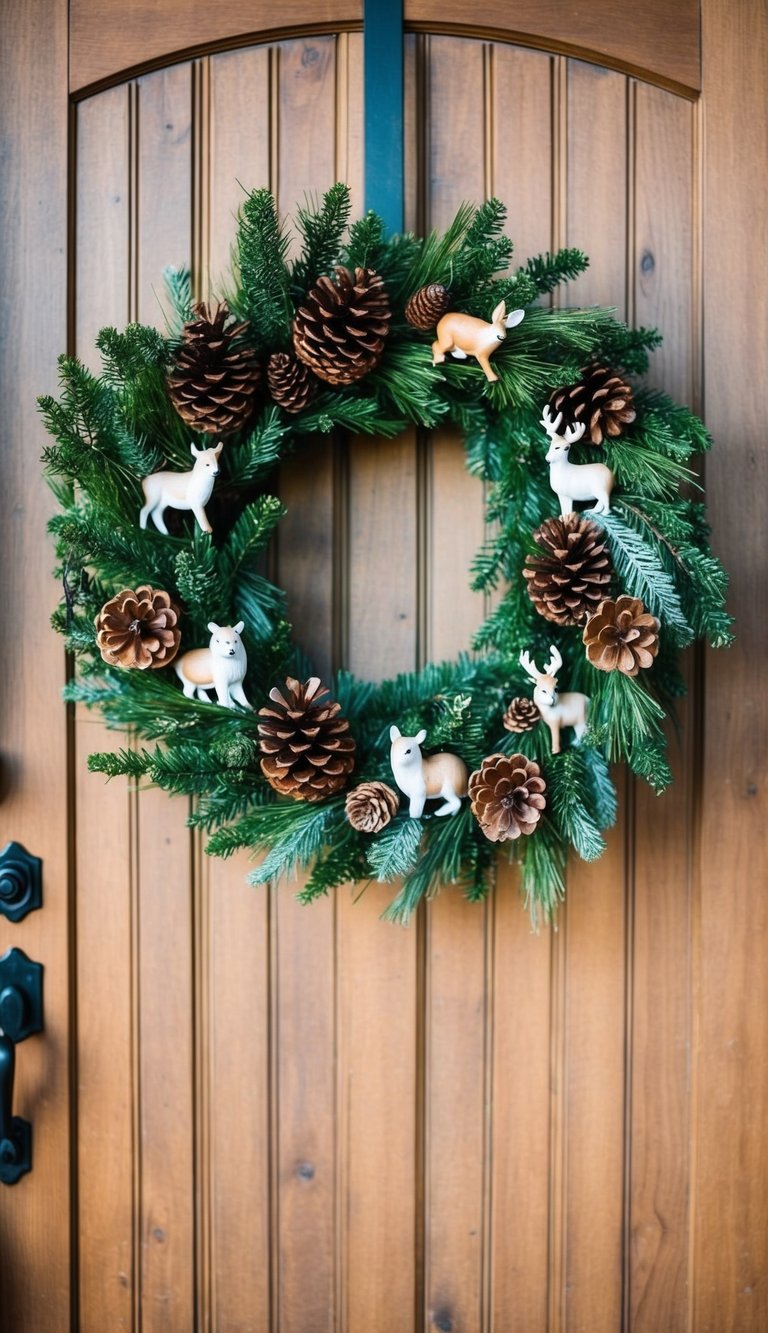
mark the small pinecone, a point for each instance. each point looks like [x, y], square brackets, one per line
[521, 715]
[570, 578]
[371, 806]
[138, 629]
[601, 399]
[427, 305]
[622, 636]
[340, 330]
[291, 383]
[506, 794]
[308, 751]
[216, 375]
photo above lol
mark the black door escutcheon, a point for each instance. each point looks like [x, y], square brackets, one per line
[21, 881]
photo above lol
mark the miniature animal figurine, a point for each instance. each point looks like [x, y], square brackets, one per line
[464, 335]
[182, 490]
[441, 775]
[574, 481]
[220, 667]
[557, 710]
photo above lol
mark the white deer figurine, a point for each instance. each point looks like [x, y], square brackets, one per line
[420, 779]
[220, 667]
[574, 481]
[557, 710]
[182, 490]
[464, 335]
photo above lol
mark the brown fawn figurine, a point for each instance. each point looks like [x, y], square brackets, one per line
[441, 775]
[464, 335]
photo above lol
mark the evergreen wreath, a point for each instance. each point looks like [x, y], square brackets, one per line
[343, 339]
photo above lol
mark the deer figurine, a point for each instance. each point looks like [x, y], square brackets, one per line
[421, 779]
[182, 490]
[220, 667]
[574, 481]
[464, 335]
[557, 710]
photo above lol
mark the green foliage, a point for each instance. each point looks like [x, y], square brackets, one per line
[262, 247]
[111, 429]
[321, 230]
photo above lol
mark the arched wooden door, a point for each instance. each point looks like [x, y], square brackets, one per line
[255, 1116]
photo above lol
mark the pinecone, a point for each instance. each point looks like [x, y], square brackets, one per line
[622, 636]
[521, 715]
[216, 374]
[601, 399]
[570, 578]
[506, 794]
[308, 751]
[138, 629]
[426, 306]
[291, 383]
[371, 806]
[340, 330]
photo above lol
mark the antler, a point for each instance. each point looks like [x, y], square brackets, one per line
[530, 666]
[573, 433]
[555, 662]
[550, 426]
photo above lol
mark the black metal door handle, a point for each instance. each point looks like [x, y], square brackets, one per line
[21, 1014]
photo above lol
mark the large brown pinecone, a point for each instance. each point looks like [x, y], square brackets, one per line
[521, 715]
[138, 629]
[507, 796]
[340, 330]
[370, 806]
[622, 636]
[601, 399]
[291, 384]
[216, 374]
[570, 578]
[308, 751]
[428, 305]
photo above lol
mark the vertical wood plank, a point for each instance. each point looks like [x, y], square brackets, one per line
[523, 1004]
[520, 1140]
[664, 287]
[458, 138]
[106, 869]
[592, 1108]
[730, 1253]
[35, 1214]
[235, 918]
[309, 104]
[166, 1007]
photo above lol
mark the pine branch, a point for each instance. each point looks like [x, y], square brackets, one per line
[548, 270]
[643, 573]
[178, 291]
[262, 247]
[322, 230]
[395, 851]
[542, 858]
[569, 800]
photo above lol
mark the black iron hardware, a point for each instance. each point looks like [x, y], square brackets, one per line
[21, 1015]
[21, 881]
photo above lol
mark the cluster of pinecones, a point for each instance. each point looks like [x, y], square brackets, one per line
[338, 337]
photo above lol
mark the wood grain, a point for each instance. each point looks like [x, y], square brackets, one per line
[602, 32]
[664, 293]
[730, 1181]
[35, 1239]
[107, 884]
[593, 959]
[110, 41]
[236, 1153]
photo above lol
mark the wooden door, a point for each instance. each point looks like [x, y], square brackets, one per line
[250, 1115]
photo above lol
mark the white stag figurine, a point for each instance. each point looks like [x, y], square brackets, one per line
[182, 490]
[441, 775]
[574, 481]
[464, 335]
[557, 710]
[220, 667]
